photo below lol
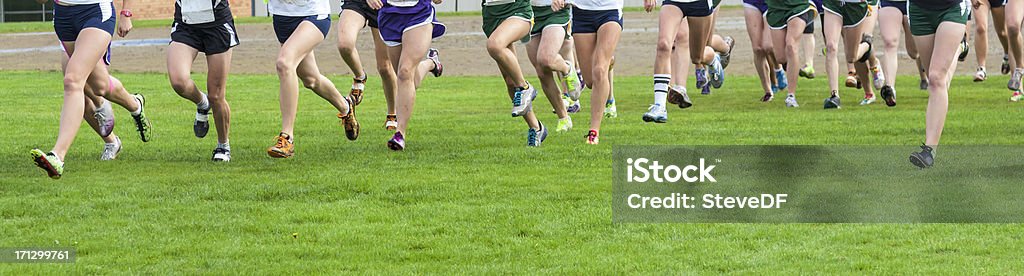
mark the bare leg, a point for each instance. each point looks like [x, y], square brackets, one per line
[349, 24]
[293, 52]
[406, 58]
[85, 52]
[216, 84]
[384, 67]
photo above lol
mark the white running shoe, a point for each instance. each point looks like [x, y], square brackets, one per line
[522, 101]
[110, 150]
[791, 101]
[221, 154]
[104, 115]
[656, 113]
[878, 77]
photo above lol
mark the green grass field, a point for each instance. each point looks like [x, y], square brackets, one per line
[467, 196]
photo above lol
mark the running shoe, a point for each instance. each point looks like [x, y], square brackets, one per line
[832, 102]
[656, 113]
[283, 148]
[679, 97]
[104, 115]
[980, 75]
[610, 111]
[807, 72]
[52, 164]
[924, 159]
[728, 54]
[201, 126]
[1015, 79]
[221, 154]
[1005, 68]
[923, 85]
[701, 73]
[878, 77]
[964, 49]
[866, 39]
[397, 142]
[535, 137]
[889, 95]
[706, 90]
[851, 80]
[572, 82]
[768, 96]
[717, 72]
[522, 100]
[349, 121]
[571, 106]
[391, 122]
[141, 122]
[358, 84]
[791, 101]
[868, 99]
[781, 76]
[1017, 96]
[592, 138]
[110, 150]
[434, 56]
[564, 124]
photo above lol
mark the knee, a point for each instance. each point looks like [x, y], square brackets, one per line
[310, 82]
[285, 66]
[346, 47]
[406, 73]
[1012, 29]
[981, 29]
[890, 43]
[600, 71]
[215, 97]
[494, 48]
[74, 83]
[664, 46]
[937, 77]
[180, 85]
[385, 72]
[548, 62]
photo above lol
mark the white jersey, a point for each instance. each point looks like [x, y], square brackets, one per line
[80, 2]
[598, 5]
[497, 2]
[540, 3]
[299, 7]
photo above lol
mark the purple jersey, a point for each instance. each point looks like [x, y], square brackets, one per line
[756, 4]
[398, 16]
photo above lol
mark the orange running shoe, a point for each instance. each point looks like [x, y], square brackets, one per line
[349, 121]
[391, 123]
[357, 89]
[283, 148]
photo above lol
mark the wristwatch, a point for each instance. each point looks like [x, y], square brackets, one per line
[126, 13]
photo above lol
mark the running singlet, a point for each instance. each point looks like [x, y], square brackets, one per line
[80, 2]
[936, 5]
[299, 7]
[403, 3]
[598, 5]
[497, 2]
[193, 12]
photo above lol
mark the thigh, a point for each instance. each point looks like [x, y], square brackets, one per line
[607, 40]
[891, 21]
[669, 19]
[90, 47]
[349, 24]
[585, 43]
[302, 41]
[218, 67]
[510, 30]
[380, 49]
[415, 43]
[755, 24]
[179, 59]
[925, 47]
[550, 42]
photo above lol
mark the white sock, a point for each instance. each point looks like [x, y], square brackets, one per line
[661, 88]
[203, 104]
[225, 145]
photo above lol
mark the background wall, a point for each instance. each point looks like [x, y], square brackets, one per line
[155, 9]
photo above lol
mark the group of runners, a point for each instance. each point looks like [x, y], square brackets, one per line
[570, 45]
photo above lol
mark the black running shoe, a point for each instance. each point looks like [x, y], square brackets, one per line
[202, 123]
[964, 49]
[832, 102]
[923, 159]
[889, 95]
[866, 38]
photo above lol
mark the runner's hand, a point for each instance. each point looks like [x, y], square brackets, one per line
[375, 4]
[557, 5]
[124, 25]
[438, 1]
[648, 5]
[976, 3]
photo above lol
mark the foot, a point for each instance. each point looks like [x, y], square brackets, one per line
[397, 142]
[52, 164]
[791, 101]
[1017, 96]
[679, 97]
[832, 102]
[571, 106]
[349, 121]
[1005, 68]
[572, 82]
[564, 124]
[105, 117]
[283, 148]
[889, 95]
[877, 77]
[591, 137]
[866, 39]
[610, 111]
[221, 154]
[768, 96]
[728, 54]
[807, 72]
[391, 122]
[522, 100]
[780, 75]
[980, 75]
[110, 150]
[706, 90]
[358, 84]
[851, 80]
[201, 126]
[656, 113]
[717, 72]
[535, 137]
[964, 49]
[924, 159]
[141, 122]
[434, 56]
[868, 100]
[923, 85]
[1015, 79]
[702, 78]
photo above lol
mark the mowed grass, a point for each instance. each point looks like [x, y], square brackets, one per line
[467, 196]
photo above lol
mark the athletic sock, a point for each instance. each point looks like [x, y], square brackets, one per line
[225, 145]
[661, 88]
[610, 101]
[137, 112]
[361, 84]
[203, 104]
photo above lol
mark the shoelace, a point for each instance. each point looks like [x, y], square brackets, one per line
[531, 137]
[281, 142]
[518, 98]
[139, 121]
[220, 150]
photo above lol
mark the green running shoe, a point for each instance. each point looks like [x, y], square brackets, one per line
[564, 125]
[49, 162]
[610, 110]
[141, 122]
[807, 72]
